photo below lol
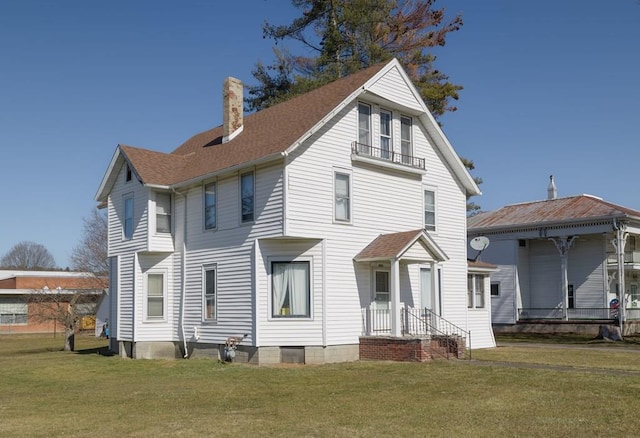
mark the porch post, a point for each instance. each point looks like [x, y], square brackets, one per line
[563, 244]
[396, 330]
[620, 240]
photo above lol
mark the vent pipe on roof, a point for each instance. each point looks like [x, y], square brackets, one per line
[552, 193]
[231, 108]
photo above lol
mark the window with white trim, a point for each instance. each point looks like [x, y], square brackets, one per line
[247, 195]
[210, 206]
[386, 141]
[209, 292]
[364, 124]
[429, 210]
[342, 196]
[13, 311]
[290, 289]
[163, 212]
[406, 139]
[127, 226]
[475, 291]
[155, 296]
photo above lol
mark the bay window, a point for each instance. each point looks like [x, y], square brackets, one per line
[163, 212]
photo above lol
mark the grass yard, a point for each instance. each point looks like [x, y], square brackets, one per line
[45, 392]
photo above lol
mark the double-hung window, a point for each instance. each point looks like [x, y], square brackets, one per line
[247, 197]
[209, 283]
[210, 206]
[163, 212]
[406, 147]
[429, 210]
[386, 143]
[290, 289]
[128, 217]
[364, 124]
[155, 296]
[342, 191]
[475, 291]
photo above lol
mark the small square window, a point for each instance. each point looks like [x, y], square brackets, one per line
[495, 289]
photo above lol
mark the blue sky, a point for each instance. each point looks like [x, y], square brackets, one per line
[550, 87]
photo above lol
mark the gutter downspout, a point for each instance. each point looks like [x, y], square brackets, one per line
[183, 280]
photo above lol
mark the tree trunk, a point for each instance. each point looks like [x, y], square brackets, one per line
[70, 340]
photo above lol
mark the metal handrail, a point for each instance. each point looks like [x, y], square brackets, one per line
[387, 155]
[433, 325]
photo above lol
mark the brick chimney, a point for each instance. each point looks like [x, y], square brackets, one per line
[231, 108]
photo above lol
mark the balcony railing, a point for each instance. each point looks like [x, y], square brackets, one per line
[629, 257]
[364, 150]
[556, 313]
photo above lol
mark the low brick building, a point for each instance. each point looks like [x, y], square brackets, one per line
[19, 310]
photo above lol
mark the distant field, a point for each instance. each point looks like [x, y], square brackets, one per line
[45, 392]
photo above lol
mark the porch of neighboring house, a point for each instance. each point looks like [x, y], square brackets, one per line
[572, 318]
[424, 336]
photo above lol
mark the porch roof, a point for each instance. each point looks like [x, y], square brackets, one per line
[414, 245]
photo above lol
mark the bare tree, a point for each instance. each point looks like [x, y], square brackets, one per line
[66, 306]
[28, 256]
[91, 253]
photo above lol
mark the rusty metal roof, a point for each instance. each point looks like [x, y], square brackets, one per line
[571, 209]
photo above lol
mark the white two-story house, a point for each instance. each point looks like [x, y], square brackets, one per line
[299, 229]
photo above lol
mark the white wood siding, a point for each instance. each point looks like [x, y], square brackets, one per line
[585, 271]
[503, 307]
[115, 216]
[290, 331]
[230, 248]
[126, 298]
[545, 291]
[383, 201]
[391, 86]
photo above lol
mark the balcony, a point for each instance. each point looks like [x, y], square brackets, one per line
[387, 156]
[630, 257]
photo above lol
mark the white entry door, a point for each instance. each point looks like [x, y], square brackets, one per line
[381, 295]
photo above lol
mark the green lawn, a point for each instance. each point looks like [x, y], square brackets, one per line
[47, 392]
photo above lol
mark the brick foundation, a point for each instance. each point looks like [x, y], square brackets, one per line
[411, 349]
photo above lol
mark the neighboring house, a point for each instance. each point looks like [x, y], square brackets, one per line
[558, 259]
[304, 226]
[20, 314]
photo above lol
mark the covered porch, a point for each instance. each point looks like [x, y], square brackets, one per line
[391, 328]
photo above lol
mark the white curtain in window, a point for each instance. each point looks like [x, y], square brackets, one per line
[291, 280]
[298, 288]
[279, 286]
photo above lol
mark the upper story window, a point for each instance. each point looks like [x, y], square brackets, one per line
[406, 140]
[290, 289]
[247, 197]
[364, 124]
[475, 291]
[209, 292]
[163, 212]
[128, 173]
[386, 142]
[155, 296]
[429, 210]
[342, 192]
[128, 217]
[210, 206]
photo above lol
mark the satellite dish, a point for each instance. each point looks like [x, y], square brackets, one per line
[479, 243]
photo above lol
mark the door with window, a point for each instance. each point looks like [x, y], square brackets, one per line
[381, 295]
